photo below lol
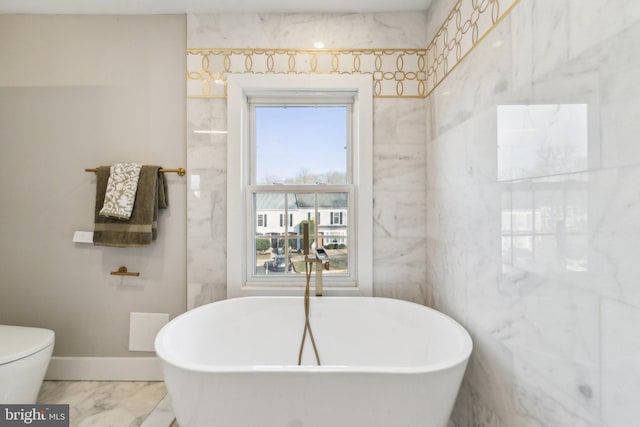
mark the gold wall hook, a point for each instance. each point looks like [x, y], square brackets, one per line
[122, 271]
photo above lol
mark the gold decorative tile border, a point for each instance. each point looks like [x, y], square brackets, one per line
[396, 73]
[468, 23]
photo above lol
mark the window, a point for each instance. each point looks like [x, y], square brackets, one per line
[300, 149]
[336, 218]
[299, 143]
[282, 223]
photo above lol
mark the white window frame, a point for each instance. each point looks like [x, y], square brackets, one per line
[239, 88]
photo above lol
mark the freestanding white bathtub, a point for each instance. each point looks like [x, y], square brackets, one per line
[385, 363]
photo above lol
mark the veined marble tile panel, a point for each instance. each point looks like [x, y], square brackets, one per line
[399, 167]
[207, 259]
[414, 292]
[598, 37]
[514, 307]
[436, 14]
[444, 216]
[463, 94]
[447, 159]
[547, 216]
[207, 203]
[353, 30]
[542, 140]
[618, 64]
[550, 28]
[471, 409]
[399, 213]
[206, 115]
[468, 217]
[584, 79]
[466, 154]
[563, 349]
[399, 259]
[398, 121]
[521, 45]
[539, 404]
[206, 135]
[577, 229]
[603, 78]
[204, 293]
[480, 223]
[447, 279]
[620, 127]
[614, 268]
[208, 154]
[490, 370]
[614, 200]
[610, 18]
[620, 368]
[399, 268]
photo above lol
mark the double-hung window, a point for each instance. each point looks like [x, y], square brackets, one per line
[299, 152]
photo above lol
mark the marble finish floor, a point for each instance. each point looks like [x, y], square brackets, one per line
[110, 403]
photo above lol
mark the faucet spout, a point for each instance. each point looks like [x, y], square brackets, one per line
[320, 264]
[321, 259]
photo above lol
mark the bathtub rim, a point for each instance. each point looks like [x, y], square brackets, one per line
[458, 359]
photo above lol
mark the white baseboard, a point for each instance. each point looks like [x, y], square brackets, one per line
[104, 369]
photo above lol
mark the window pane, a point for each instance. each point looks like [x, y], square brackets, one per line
[303, 212]
[275, 225]
[280, 218]
[301, 145]
[338, 257]
[269, 208]
[332, 229]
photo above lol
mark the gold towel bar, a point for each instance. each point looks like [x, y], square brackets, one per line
[179, 171]
[122, 271]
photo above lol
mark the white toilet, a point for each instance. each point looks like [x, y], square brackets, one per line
[24, 358]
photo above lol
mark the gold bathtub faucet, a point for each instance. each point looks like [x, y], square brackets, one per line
[321, 260]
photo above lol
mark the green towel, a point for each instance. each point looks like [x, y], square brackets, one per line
[142, 227]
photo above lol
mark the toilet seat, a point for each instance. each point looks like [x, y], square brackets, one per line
[18, 342]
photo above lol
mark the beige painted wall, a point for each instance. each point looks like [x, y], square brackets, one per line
[78, 92]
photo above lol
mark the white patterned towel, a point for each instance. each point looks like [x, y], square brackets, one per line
[121, 190]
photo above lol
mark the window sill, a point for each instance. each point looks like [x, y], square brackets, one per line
[260, 289]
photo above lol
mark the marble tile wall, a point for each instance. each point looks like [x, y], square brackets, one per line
[399, 148]
[533, 215]
[456, 28]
